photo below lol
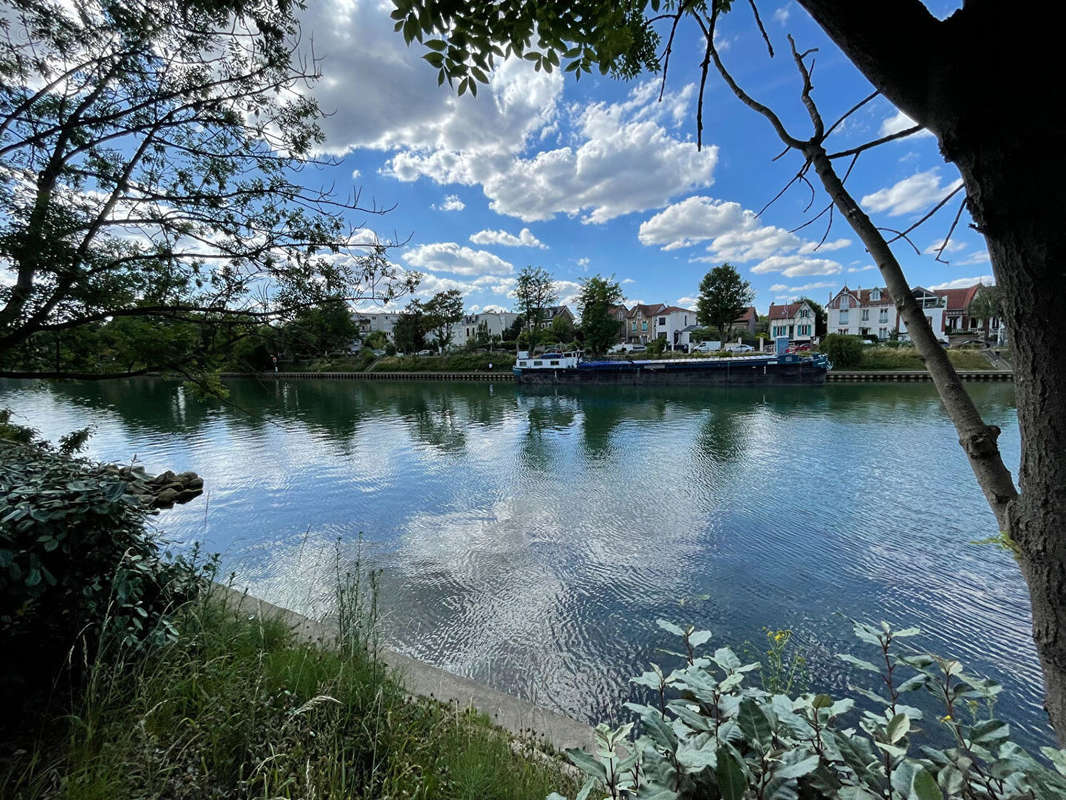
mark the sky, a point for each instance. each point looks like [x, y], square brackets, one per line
[598, 176]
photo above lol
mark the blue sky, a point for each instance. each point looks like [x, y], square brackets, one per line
[597, 176]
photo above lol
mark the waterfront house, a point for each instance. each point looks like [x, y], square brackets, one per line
[747, 321]
[794, 320]
[873, 313]
[645, 322]
[957, 317]
[494, 323]
[619, 313]
[368, 323]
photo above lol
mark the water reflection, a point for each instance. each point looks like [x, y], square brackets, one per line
[532, 537]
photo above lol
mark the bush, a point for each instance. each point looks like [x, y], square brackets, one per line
[76, 559]
[452, 362]
[844, 351]
[390, 349]
[706, 734]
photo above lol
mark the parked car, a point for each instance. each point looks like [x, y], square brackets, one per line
[799, 347]
[616, 348]
[739, 348]
[424, 353]
[637, 348]
[706, 347]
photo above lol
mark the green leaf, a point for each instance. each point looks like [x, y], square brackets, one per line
[858, 662]
[990, 732]
[924, 787]
[436, 44]
[753, 722]
[1056, 757]
[669, 627]
[731, 781]
[436, 59]
[696, 638]
[794, 765]
[822, 701]
[588, 764]
[897, 728]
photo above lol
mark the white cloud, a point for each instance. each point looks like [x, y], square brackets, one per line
[380, 93]
[687, 302]
[355, 174]
[694, 219]
[974, 258]
[807, 287]
[583, 262]
[900, 122]
[451, 203]
[569, 292]
[457, 259]
[867, 268]
[795, 265]
[624, 281]
[525, 238]
[963, 283]
[915, 193]
[626, 161]
[954, 246]
[825, 247]
[781, 15]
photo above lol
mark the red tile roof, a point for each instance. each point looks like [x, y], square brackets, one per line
[958, 299]
[785, 311]
[749, 314]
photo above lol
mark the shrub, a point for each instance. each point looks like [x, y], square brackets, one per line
[844, 351]
[76, 558]
[706, 734]
[390, 349]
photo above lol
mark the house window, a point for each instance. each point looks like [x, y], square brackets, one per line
[634, 325]
[882, 333]
[844, 317]
[865, 314]
[662, 320]
[844, 331]
[643, 324]
[875, 294]
[804, 312]
[884, 315]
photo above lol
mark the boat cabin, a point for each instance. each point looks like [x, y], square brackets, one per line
[547, 360]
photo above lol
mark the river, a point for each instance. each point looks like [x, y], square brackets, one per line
[531, 538]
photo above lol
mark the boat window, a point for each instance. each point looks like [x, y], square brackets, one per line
[537, 363]
[555, 363]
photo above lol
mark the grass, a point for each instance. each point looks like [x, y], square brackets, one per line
[453, 362]
[237, 707]
[907, 358]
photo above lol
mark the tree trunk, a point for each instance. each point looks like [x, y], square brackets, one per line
[1016, 199]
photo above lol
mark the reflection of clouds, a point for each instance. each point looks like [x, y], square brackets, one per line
[531, 538]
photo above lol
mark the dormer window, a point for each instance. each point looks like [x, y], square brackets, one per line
[875, 294]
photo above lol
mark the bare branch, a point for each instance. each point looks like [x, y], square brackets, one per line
[849, 112]
[935, 208]
[762, 30]
[863, 147]
[951, 230]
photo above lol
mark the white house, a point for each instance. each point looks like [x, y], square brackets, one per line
[496, 323]
[794, 320]
[872, 312]
[378, 321]
[658, 321]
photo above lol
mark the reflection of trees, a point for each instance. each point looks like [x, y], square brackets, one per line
[150, 404]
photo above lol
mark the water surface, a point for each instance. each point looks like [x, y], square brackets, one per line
[531, 538]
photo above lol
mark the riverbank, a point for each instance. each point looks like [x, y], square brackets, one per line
[834, 376]
[253, 701]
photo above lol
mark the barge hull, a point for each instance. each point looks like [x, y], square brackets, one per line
[761, 374]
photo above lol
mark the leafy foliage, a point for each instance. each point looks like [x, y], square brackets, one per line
[598, 295]
[148, 159]
[709, 734]
[76, 557]
[534, 293]
[723, 297]
[845, 351]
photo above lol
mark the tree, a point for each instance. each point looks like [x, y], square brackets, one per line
[317, 332]
[442, 311]
[724, 296]
[562, 330]
[409, 332]
[986, 304]
[600, 328]
[148, 157]
[534, 294]
[993, 121]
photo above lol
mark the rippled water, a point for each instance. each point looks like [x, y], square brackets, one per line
[532, 538]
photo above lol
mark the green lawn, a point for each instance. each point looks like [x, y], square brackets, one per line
[907, 358]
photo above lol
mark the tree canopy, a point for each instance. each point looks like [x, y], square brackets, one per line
[534, 293]
[153, 163]
[600, 328]
[724, 296]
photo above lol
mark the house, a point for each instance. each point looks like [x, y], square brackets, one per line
[552, 312]
[862, 312]
[748, 320]
[957, 317]
[873, 313]
[794, 320]
[370, 322]
[645, 323]
[494, 323]
[619, 313]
